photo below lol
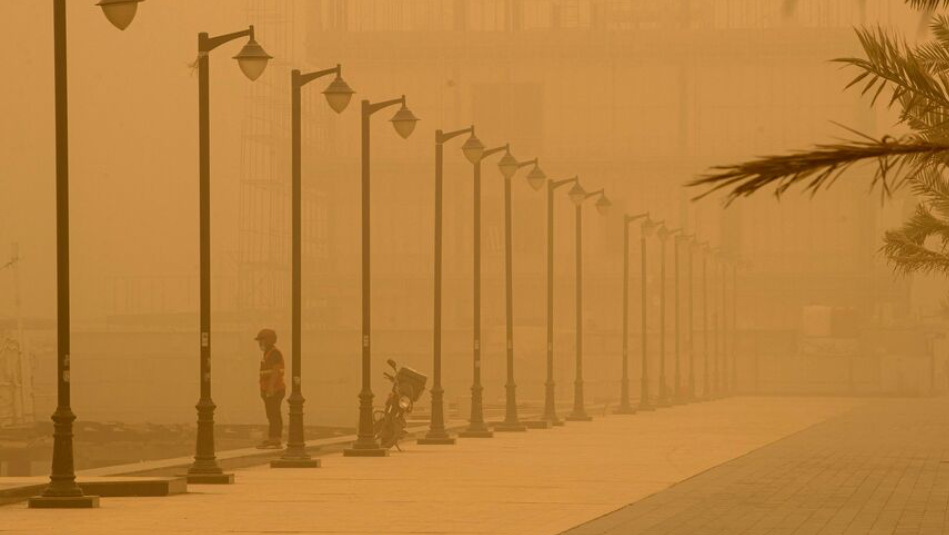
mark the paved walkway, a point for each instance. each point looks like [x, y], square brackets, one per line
[880, 469]
[543, 481]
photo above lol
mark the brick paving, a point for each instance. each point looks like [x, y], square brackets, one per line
[540, 482]
[882, 468]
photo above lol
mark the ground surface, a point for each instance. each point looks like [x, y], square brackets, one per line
[540, 482]
[882, 468]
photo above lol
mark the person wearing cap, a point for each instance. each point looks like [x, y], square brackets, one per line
[272, 387]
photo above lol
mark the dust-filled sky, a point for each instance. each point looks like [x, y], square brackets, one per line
[623, 93]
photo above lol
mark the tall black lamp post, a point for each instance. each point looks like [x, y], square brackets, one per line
[473, 150]
[646, 229]
[404, 123]
[508, 165]
[338, 95]
[252, 61]
[677, 394]
[62, 491]
[578, 195]
[663, 234]
[624, 405]
[550, 400]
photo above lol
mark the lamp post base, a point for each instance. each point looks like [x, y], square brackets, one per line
[295, 462]
[365, 452]
[510, 427]
[538, 424]
[579, 417]
[222, 478]
[476, 433]
[436, 441]
[64, 502]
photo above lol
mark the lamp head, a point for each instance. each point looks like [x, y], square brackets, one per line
[119, 12]
[577, 194]
[649, 226]
[338, 94]
[603, 205]
[252, 59]
[473, 149]
[536, 178]
[508, 165]
[404, 122]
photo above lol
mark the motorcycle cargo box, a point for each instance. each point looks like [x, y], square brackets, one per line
[411, 382]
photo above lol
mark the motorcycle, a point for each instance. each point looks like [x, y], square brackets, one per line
[407, 386]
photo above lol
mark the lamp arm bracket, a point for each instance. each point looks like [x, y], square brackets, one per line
[526, 163]
[301, 80]
[442, 137]
[557, 183]
[631, 218]
[600, 191]
[207, 44]
[495, 150]
[374, 107]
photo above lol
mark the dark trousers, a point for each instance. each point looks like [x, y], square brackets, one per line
[272, 405]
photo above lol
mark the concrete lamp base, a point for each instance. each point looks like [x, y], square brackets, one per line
[223, 478]
[436, 441]
[64, 502]
[301, 462]
[510, 427]
[476, 433]
[538, 424]
[366, 452]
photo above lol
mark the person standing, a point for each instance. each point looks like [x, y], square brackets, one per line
[272, 387]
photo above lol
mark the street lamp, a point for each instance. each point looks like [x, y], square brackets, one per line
[550, 402]
[119, 12]
[706, 383]
[725, 376]
[404, 123]
[692, 246]
[578, 195]
[252, 60]
[646, 229]
[624, 406]
[663, 234]
[472, 150]
[338, 95]
[677, 381]
[508, 165]
[62, 491]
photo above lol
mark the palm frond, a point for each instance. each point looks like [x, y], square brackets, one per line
[927, 4]
[897, 160]
[922, 91]
[907, 257]
[933, 188]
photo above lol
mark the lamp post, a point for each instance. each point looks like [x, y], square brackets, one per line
[62, 491]
[477, 412]
[473, 150]
[725, 376]
[578, 195]
[735, 325]
[508, 165]
[624, 406]
[404, 123]
[646, 229]
[716, 390]
[664, 234]
[338, 95]
[706, 383]
[536, 179]
[691, 246]
[252, 61]
[550, 400]
[677, 381]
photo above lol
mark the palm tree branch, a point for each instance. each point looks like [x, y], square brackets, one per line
[896, 159]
